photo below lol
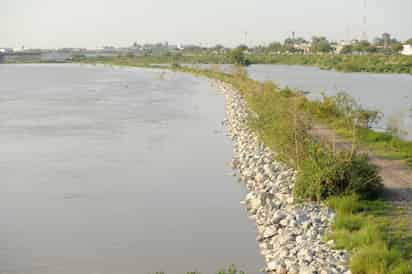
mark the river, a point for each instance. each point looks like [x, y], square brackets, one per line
[117, 170]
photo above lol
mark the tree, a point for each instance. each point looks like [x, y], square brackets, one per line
[364, 46]
[409, 41]
[300, 40]
[218, 47]
[347, 49]
[275, 46]
[378, 41]
[237, 56]
[396, 47]
[243, 47]
[288, 41]
[320, 44]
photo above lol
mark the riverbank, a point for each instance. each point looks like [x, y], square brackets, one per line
[290, 235]
[376, 63]
[347, 63]
[373, 231]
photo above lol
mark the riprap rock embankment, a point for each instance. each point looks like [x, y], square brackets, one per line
[290, 235]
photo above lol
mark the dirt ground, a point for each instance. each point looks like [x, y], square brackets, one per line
[397, 177]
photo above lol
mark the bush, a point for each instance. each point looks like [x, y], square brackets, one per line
[363, 178]
[237, 56]
[324, 174]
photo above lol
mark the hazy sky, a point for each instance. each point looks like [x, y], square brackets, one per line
[95, 23]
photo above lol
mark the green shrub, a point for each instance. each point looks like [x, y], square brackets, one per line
[363, 178]
[324, 174]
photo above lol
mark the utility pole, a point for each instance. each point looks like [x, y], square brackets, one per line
[365, 21]
[347, 34]
[245, 38]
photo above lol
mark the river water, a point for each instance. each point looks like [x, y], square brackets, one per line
[389, 93]
[117, 170]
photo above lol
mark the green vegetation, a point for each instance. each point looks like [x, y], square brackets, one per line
[379, 241]
[320, 44]
[281, 121]
[377, 63]
[237, 56]
[361, 56]
[340, 111]
[370, 229]
[282, 124]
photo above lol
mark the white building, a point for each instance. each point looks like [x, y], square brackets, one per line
[407, 50]
[6, 50]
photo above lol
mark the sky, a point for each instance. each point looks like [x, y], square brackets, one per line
[97, 23]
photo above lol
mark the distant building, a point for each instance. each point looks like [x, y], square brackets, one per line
[302, 47]
[407, 50]
[23, 56]
[56, 55]
[6, 50]
[386, 37]
[340, 46]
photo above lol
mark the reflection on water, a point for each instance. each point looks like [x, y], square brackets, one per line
[116, 170]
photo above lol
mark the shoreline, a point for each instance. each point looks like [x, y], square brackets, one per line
[289, 235]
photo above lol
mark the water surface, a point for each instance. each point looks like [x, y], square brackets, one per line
[116, 170]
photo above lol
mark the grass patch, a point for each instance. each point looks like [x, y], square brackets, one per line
[378, 243]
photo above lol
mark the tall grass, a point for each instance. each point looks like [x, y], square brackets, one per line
[379, 244]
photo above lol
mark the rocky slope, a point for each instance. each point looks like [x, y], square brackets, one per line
[290, 235]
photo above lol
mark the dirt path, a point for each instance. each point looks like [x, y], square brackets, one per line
[397, 178]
